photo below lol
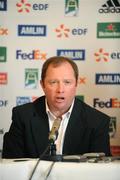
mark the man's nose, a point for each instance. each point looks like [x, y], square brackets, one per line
[60, 87]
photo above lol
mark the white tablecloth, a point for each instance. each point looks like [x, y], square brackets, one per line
[21, 170]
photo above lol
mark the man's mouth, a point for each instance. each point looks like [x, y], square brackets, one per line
[60, 98]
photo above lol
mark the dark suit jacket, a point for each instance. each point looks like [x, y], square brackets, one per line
[87, 131]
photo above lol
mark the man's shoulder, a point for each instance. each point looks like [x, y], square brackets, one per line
[30, 105]
[89, 110]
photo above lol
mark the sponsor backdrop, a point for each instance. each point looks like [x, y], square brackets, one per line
[86, 31]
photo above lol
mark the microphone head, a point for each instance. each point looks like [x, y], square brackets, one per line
[54, 131]
[53, 137]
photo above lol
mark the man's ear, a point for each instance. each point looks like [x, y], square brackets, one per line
[77, 82]
[42, 84]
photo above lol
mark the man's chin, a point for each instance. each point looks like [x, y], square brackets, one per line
[61, 108]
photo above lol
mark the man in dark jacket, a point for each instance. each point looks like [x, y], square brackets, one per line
[83, 129]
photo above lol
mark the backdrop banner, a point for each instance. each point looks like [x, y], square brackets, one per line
[86, 31]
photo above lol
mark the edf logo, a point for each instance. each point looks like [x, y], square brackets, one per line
[112, 103]
[3, 103]
[63, 31]
[25, 6]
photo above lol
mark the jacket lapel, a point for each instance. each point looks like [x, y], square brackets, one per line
[40, 125]
[75, 130]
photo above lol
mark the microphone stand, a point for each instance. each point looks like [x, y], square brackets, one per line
[52, 155]
[52, 149]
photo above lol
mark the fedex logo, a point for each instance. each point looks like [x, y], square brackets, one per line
[33, 55]
[3, 31]
[112, 103]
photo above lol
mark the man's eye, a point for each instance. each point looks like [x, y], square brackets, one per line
[52, 82]
[67, 82]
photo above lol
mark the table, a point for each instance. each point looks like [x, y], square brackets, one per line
[22, 169]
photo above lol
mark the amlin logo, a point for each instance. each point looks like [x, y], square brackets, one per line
[107, 79]
[31, 30]
[74, 54]
[108, 30]
[24, 99]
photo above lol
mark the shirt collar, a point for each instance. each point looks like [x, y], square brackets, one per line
[52, 116]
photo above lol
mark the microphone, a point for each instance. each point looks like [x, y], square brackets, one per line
[54, 131]
[52, 137]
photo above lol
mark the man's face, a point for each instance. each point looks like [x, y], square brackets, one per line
[59, 87]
